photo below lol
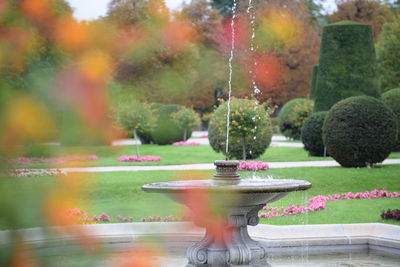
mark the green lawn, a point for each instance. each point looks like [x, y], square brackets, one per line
[171, 155]
[119, 194]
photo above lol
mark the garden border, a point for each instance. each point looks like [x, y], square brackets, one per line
[292, 240]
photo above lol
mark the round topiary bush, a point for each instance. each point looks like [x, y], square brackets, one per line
[292, 116]
[250, 129]
[359, 131]
[392, 100]
[166, 130]
[311, 134]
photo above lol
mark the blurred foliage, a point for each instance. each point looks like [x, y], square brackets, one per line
[287, 46]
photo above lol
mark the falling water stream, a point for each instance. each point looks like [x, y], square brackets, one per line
[255, 90]
[234, 8]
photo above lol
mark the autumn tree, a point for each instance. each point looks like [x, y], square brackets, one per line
[206, 20]
[286, 49]
[373, 12]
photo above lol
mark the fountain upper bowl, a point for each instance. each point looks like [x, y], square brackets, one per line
[243, 186]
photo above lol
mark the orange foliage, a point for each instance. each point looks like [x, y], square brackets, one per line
[179, 35]
[269, 71]
[38, 9]
[71, 35]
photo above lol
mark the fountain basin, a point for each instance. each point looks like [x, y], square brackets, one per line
[225, 206]
[244, 193]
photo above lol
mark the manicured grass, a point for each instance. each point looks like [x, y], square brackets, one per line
[172, 155]
[119, 194]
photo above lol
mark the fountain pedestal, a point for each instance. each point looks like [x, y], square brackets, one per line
[231, 245]
[225, 206]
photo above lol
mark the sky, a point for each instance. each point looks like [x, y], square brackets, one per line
[92, 9]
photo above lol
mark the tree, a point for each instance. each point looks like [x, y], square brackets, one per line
[187, 119]
[372, 12]
[135, 117]
[206, 20]
[315, 9]
[388, 50]
[131, 12]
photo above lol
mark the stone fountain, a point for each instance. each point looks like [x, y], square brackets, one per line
[235, 204]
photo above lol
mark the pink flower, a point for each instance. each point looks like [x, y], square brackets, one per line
[319, 202]
[183, 143]
[138, 159]
[253, 166]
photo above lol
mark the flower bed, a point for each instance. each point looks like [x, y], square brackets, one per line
[253, 166]
[35, 173]
[391, 214]
[319, 203]
[138, 158]
[55, 160]
[183, 143]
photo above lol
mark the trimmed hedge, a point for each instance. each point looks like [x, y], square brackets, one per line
[314, 78]
[359, 131]
[311, 134]
[292, 116]
[347, 65]
[250, 131]
[392, 100]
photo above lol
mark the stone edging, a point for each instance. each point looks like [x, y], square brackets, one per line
[278, 239]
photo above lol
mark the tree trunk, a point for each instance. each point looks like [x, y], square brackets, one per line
[244, 147]
[184, 134]
[137, 142]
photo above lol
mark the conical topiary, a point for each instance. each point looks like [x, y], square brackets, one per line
[347, 65]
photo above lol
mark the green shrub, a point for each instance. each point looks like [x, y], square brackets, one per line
[347, 64]
[314, 78]
[166, 130]
[250, 129]
[187, 119]
[392, 100]
[292, 116]
[311, 134]
[359, 131]
[388, 50]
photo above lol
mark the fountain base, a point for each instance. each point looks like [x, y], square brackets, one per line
[225, 206]
[229, 244]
